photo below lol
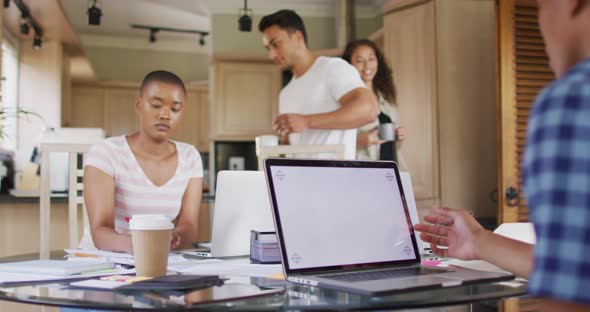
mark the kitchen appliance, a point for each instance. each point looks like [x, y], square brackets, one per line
[223, 151]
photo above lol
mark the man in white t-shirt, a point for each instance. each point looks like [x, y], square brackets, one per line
[326, 100]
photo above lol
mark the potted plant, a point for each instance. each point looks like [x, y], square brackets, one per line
[5, 114]
[9, 112]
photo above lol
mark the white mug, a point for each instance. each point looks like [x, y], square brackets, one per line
[266, 140]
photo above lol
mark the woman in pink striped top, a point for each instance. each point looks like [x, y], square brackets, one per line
[145, 172]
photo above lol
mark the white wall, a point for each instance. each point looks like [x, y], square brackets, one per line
[40, 91]
[228, 39]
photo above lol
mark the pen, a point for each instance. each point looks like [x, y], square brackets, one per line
[126, 266]
[85, 255]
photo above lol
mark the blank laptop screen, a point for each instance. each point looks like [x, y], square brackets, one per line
[340, 216]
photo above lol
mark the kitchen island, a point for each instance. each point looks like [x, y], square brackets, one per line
[19, 223]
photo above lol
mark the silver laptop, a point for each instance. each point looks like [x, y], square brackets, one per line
[241, 205]
[345, 225]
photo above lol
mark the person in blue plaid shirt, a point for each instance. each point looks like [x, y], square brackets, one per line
[556, 177]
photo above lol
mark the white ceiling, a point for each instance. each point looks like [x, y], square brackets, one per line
[118, 15]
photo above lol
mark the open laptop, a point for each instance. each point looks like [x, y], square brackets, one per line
[241, 205]
[345, 225]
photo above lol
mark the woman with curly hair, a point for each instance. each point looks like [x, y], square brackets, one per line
[377, 75]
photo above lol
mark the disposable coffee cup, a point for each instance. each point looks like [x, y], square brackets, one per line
[151, 236]
[386, 132]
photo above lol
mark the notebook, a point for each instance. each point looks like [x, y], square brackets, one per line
[241, 205]
[55, 267]
[345, 225]
[175, 282]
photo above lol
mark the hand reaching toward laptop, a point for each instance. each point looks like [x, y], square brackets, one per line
[455, 229]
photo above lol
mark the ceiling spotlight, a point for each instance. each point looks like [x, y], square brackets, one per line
[94, 14]
[27, 21]
[6, 3]
[24, 26]
[37, 42]
[155, 29]
[245, 20]
[153, 32]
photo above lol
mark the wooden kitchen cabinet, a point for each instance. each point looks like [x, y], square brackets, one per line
[111, 106]
[204, 103]
[246, 96]
[120, 115]
[89, 111]
[204, 223]
[194, 127]
[187, 131]
[443, 58]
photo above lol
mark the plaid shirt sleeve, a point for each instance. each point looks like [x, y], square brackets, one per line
[557, 186]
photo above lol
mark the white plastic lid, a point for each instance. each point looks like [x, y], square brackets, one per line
[150, 222]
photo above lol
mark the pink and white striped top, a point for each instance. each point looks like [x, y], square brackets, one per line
[134, 191]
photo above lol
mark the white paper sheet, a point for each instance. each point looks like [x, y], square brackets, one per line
[174, 259]
[99, 284]
[521, 231]
[9, 277]
[241, 267]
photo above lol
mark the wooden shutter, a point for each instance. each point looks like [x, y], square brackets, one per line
[524, 71]
[532, 75]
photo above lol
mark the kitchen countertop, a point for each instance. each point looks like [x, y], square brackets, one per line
[62, 198]
[10, 199]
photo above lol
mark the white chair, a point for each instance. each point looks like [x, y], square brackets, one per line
[338, 150]
[74, 198]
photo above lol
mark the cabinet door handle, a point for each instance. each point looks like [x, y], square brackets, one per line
[494, 196]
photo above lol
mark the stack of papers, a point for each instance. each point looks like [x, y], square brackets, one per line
[11, 279]
[87, 264]
[55, 267]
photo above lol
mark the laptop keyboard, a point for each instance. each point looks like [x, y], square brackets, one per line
[382, 274]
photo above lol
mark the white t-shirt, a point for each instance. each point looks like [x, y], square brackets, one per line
[134, 191]
[318, 91]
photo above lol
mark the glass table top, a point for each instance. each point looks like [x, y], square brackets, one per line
[250, 293]
[247, 293]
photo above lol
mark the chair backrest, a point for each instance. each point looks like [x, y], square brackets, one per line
[338, 150]
[75, 196]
